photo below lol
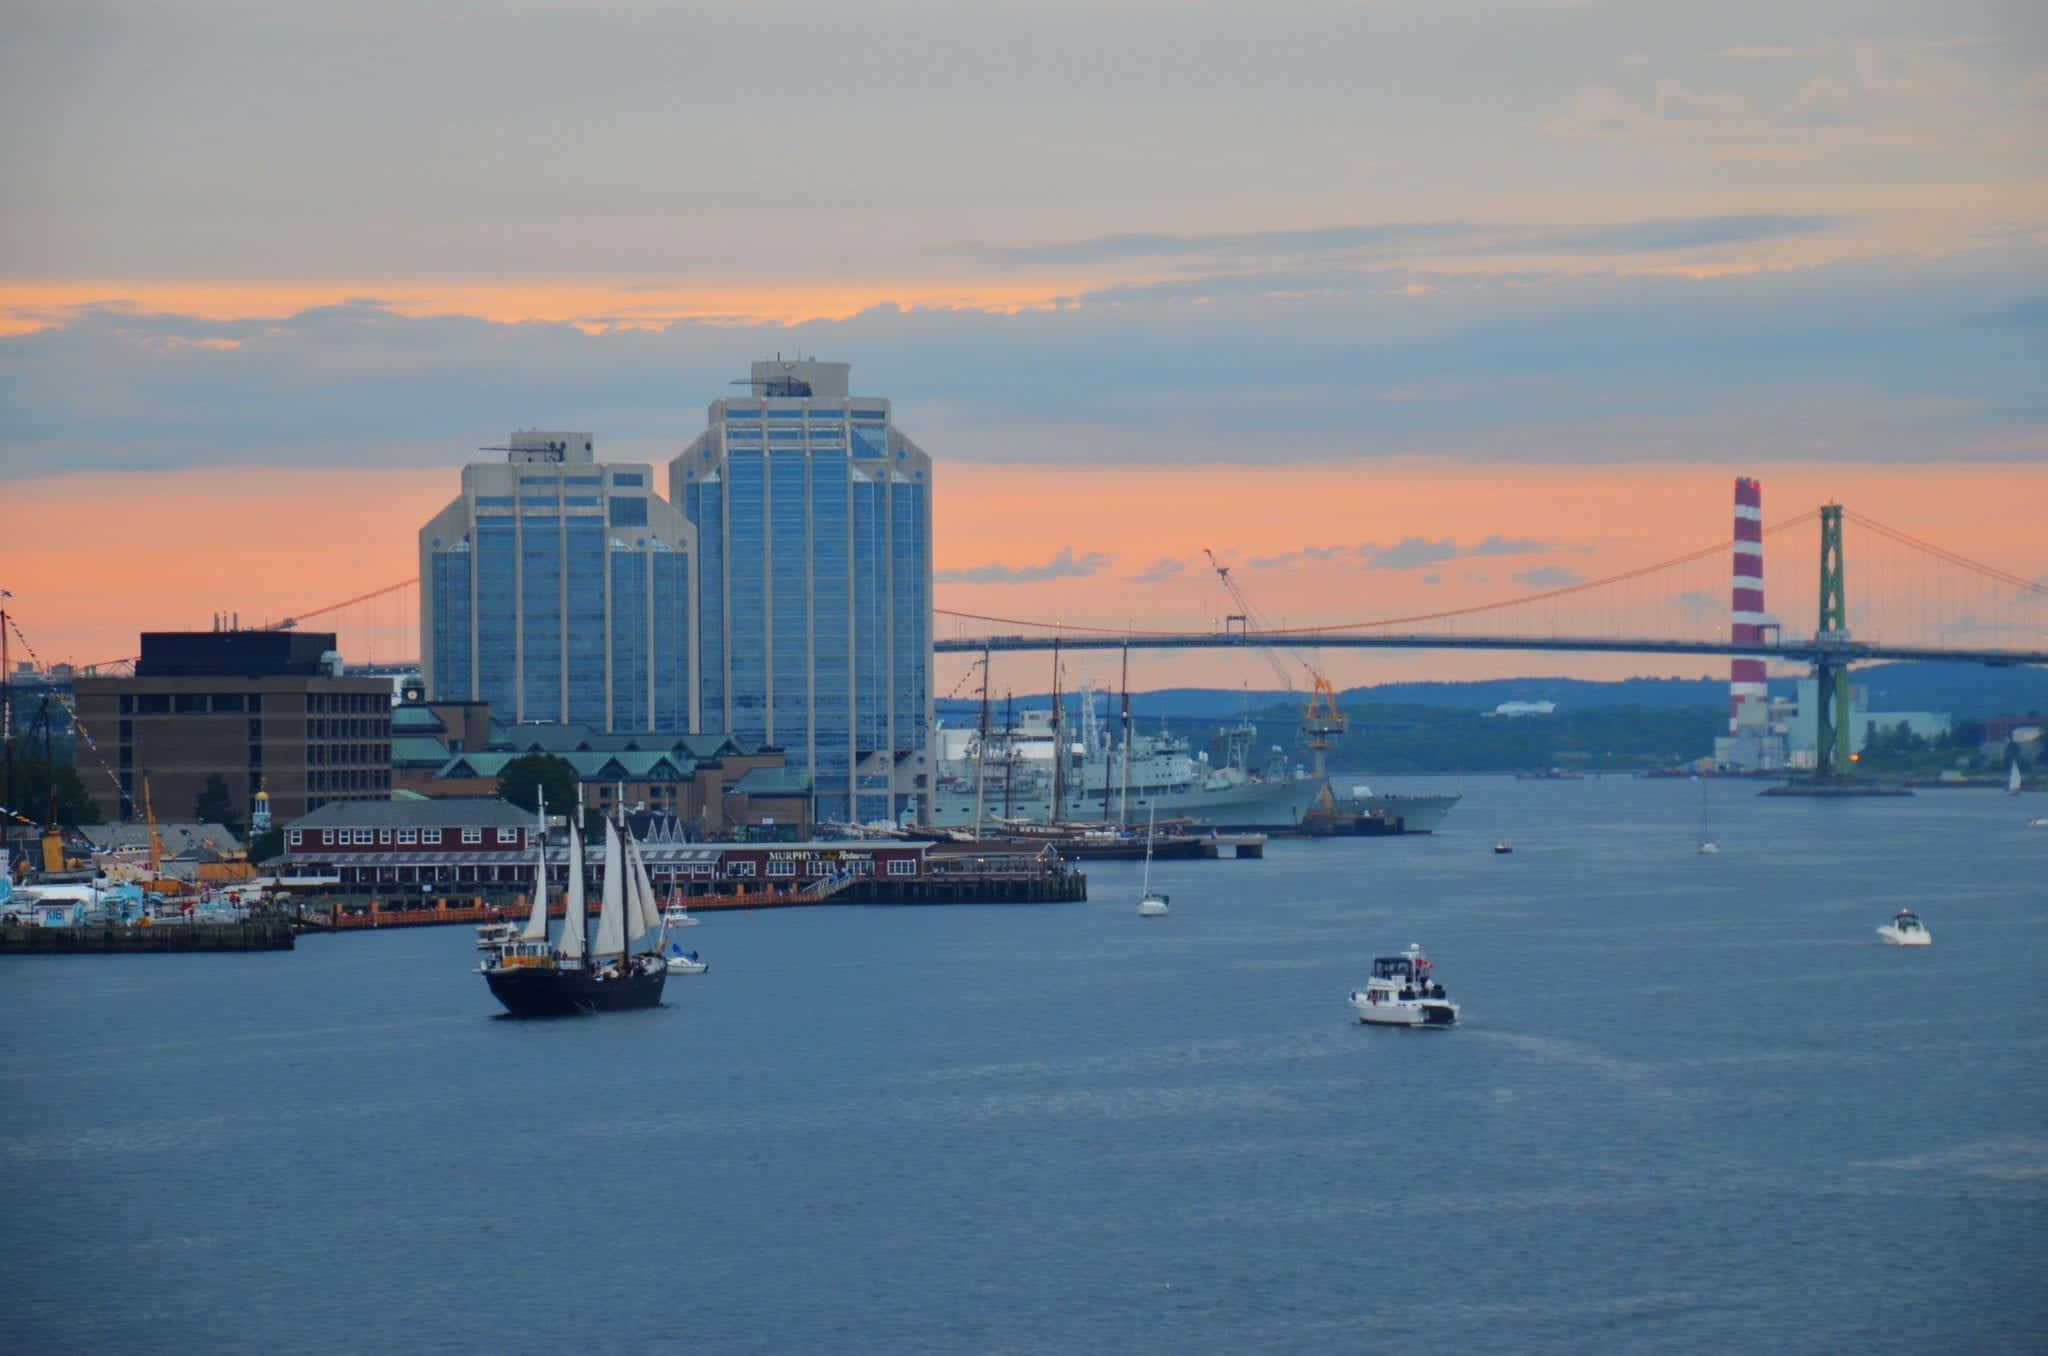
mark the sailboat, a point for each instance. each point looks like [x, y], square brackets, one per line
[2012, 779]
[1708, 847]
[576, 975]
[1151, 903]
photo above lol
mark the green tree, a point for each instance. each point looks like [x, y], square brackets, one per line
[268, 844]
[34, 780]
[524, 778]
[215, 805]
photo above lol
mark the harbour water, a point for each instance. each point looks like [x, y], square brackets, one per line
[1693, 1106]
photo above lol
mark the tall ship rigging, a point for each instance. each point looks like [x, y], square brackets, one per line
[575, 974]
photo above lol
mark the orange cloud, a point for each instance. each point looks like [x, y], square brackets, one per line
[27, 305]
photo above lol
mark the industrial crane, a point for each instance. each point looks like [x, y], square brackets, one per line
[1320, 719]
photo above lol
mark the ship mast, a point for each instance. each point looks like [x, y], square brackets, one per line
[1123, 805]
[1056, 806]
[981, 745]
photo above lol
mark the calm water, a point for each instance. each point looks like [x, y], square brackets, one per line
[1694, 1106]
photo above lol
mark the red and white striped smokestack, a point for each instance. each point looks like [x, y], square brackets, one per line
[1745, 675]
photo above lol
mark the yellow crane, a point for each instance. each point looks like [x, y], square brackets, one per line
[1321, 721]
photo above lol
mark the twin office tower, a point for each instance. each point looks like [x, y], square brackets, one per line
[781, 593]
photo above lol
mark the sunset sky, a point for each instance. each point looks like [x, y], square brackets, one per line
[1396, 306]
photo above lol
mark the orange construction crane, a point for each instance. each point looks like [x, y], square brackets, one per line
[1321, 721]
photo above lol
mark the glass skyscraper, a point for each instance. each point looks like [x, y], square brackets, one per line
[558, 588]
[813, 521]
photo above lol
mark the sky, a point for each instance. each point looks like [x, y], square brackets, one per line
[1394, 305]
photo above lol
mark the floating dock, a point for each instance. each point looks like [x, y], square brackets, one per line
[1836, 790]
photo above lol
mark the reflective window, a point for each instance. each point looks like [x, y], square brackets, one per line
[789, 630]
[746, 597]
[541, 622]
[704, 508]
[583, 573]
[451, 623]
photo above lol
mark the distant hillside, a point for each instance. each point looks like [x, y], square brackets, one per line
[1962, 690]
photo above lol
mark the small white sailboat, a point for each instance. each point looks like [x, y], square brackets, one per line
[2012, 779]
[1151, 903]
[1905, 929]
[681, 962]
[1708, 847]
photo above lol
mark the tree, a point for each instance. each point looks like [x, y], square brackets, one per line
[34, 780]
[268, 844]
[524, 778]
[215, 805]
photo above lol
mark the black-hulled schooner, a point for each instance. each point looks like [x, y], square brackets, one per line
[574, 975]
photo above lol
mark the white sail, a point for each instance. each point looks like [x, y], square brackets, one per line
[537, 924]
[2012, 781]
[611, 914]
[571, 945]
[645, 917]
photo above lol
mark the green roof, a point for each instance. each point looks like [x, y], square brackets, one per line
[416, 720]
[707, 748]
[417, 751]
[588, 766]
[476, 764]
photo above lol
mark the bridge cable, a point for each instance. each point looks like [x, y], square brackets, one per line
[1907, 539]
[1581, 587]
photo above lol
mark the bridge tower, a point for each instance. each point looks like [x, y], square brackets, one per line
[1831, 729]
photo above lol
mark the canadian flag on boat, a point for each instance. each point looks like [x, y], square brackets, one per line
[1422, 963]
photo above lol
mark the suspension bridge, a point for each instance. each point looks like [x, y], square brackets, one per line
[2018, 608]
[1914, 600]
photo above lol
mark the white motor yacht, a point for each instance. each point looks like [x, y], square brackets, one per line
[676, 916]
[1402, 992]
[1905, 929]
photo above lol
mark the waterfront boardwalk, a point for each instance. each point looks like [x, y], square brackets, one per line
[270, 933]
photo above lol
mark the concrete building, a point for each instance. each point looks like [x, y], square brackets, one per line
[259, 709]
[813, 519]
[559, 588]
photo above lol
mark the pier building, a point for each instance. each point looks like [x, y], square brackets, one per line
[813, 519]
[557, 587]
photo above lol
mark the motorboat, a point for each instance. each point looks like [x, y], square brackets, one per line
[2038, 822]
[1905, 929]
[681, 962]
[1403, 992]
[676, 916]
[1501, 849]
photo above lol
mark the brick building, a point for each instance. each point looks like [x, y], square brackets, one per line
[262, 710]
